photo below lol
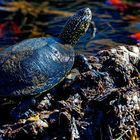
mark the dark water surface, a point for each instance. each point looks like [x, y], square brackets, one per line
[115, 23]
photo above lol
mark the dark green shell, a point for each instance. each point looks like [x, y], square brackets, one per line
[34, 66]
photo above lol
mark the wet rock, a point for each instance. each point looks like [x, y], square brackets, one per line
[99, 99]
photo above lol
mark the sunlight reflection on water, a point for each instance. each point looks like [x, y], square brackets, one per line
[112, 26]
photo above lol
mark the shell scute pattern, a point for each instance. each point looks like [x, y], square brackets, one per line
[36, 67]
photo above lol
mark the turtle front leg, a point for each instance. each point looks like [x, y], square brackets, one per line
[81, 63]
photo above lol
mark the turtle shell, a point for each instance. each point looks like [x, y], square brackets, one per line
[34, 66]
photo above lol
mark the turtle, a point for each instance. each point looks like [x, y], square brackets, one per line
[36, 65]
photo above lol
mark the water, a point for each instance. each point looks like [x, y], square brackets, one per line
[115, 23]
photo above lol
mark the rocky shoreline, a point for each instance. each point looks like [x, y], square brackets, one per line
[99, 99]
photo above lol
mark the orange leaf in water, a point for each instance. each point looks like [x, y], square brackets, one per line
[136, 36]
[1, 30]
[119, 4]
[131, 17]
[114, 2]
[9, 28]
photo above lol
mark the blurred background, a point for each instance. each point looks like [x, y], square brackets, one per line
[117, 21]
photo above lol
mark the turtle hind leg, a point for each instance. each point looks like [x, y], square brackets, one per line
[23, 109]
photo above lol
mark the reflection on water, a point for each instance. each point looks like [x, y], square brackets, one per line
[116, 22]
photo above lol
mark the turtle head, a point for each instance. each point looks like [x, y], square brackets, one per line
[76, 26]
